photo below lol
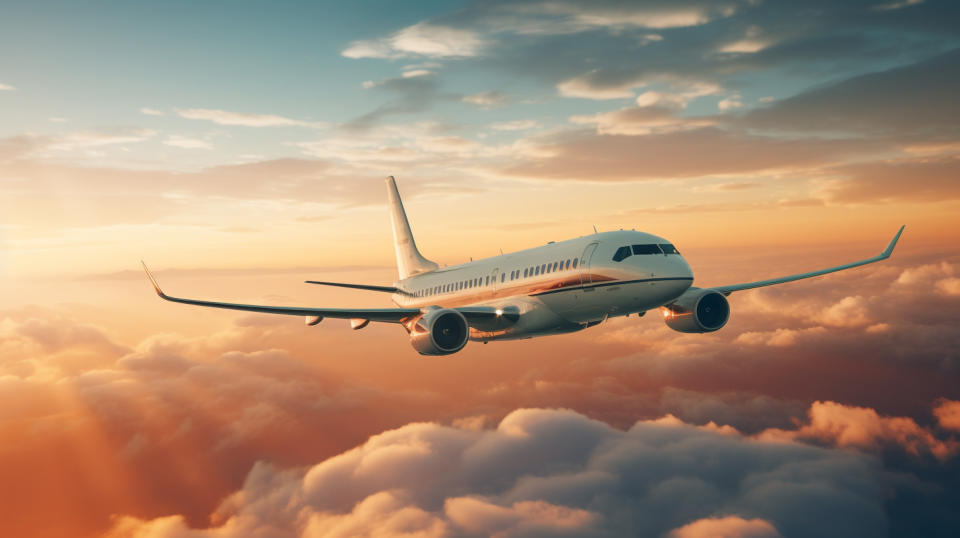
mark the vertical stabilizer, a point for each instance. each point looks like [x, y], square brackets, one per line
[409, 260]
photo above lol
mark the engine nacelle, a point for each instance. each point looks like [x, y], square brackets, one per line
[697, 311]
[440, 332]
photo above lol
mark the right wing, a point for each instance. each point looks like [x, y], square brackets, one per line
[727, 290]
[391, 315]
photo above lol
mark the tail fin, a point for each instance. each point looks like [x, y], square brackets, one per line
[409, 260]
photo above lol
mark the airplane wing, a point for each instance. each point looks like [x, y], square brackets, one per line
[727, 290]
[392, 315]
[386, 289]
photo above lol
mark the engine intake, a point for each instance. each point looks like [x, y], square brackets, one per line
[697, 311]
[440, 332]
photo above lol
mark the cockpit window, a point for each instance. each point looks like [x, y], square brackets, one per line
[621, 254]
[669, 249]
[646, 249]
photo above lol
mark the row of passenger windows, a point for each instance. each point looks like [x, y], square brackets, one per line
[625, 252]
[526, 272]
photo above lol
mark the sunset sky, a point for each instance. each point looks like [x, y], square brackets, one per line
[239, 148]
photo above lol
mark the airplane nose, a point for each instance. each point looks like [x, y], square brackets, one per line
[683, 268]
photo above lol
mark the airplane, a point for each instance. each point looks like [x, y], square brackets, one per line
[561, 287]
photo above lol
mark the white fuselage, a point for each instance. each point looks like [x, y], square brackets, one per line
[559, 287]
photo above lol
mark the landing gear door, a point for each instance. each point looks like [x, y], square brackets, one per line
[585, 277]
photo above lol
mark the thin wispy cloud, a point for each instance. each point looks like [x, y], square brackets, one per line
[6, 87]
[488, 99]
[151, 111]
[226, 117]
[186, 142]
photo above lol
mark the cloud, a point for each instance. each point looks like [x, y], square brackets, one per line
[596, 157]
[583, 87]
[421, 39]
[915, 100]
[408, 95]
[931, 179]
[863, 428]
[225, 117]
[897, 5]
[726, 527]
[515, 125]
[95, 139]
[948, 414]
[752, 42]
[552, 471]
[489, 99]
[568, 17]
[6, 88]
[185, 142]
[151, 111]
[416, 73]
[637, 121]
[730, 103]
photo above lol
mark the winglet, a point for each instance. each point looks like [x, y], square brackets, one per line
[893, 242]
[153, 281]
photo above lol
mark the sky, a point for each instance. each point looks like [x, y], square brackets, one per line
[239, 148]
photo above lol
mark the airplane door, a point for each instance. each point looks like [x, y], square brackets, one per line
[585, 258]
[494, 283]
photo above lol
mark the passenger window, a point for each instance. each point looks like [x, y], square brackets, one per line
[503, 276]
[668, 248]
[646, 249]
[575, 260]
[621, 254]
[555, 265]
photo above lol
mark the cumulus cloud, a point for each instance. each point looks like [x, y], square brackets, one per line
[948, 414]
[859, 427]
[557, 472]
[726, 527]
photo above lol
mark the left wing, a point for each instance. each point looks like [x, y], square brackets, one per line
[392, 315]
[727, 290]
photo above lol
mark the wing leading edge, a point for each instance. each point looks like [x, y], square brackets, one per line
[727, 290]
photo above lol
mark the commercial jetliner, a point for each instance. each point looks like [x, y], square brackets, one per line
[560, 287]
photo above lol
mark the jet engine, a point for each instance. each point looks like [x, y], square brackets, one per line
[697, 311]
[440, 332]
